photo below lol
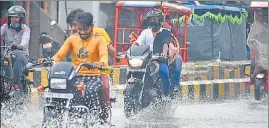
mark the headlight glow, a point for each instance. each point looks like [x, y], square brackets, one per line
[135, 62]
[259, 76]
[58, 83]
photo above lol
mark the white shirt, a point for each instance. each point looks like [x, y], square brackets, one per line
[146, 38]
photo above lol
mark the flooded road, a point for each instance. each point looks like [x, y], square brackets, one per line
[244, 113]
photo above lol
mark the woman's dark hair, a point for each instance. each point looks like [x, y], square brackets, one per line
[85, 19]
[73, 15]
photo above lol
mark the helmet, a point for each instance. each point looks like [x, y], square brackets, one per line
[18, 11]
[155, 13]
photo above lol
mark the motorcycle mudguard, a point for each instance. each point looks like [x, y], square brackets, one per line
[50, 105]
[129, 87]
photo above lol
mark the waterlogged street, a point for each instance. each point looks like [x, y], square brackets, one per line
[243, 113]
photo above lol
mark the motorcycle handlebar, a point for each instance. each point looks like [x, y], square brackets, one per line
[46, 62]
[13, 47]
[89, 66]
[159, 56]
[155, 56]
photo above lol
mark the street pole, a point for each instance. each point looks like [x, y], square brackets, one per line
[268, 53]
[27, 7]
[0, 112]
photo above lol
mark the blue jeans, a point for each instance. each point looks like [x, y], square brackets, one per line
[164, 73]
[177, 66]
[19, 64]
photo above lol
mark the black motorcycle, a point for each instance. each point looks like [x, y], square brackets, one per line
[48, 46]
[8, 89]
[144, 83]
[65, 98]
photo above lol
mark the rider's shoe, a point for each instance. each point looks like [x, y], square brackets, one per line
[175, 92]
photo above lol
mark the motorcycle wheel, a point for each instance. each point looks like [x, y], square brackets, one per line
[131, 105]
[48, 117]
[259, 89]
[7, 87]
[25, 86]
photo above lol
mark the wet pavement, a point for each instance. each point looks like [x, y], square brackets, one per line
[243, 113]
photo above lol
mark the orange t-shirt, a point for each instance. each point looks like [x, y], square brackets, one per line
[93, 49]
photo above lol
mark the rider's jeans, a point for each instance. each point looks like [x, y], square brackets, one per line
[177, 66]
[105, 79]
[19, 64]
[164, 73]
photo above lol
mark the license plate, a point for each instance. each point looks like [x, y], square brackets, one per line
[47, 45]
[58, 95]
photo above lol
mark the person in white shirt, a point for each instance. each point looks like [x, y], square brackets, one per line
[158, 39]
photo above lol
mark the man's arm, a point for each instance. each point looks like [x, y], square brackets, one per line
[141, 38]
[25, 37]
[166, 41]
[3, 27]
[103, 52]
[110, 48]
[176, 43]
[66, 47]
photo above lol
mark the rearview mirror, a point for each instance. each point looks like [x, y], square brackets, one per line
[53, 22]
[188, 44]
[117, 59]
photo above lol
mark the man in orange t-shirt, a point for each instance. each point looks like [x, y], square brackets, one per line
[105, 75]
[86, 46]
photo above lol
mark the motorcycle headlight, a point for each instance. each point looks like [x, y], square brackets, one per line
[260, 76]
[135, 62]
[47, 45]
[57, 83]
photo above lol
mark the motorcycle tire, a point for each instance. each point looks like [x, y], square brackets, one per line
[131, 103]
[25, 86]
[259, 89]
[48, 117]
[128, 105]
[7, 87]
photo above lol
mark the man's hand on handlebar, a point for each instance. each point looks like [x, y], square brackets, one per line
[16, 47]
[20, 47]
[164, 55]
[43, 60]
[98, 64]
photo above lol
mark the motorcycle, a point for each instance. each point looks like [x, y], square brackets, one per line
[9, 90]
[261, 85]
[144, 83]
[65, 97]
[48, 45]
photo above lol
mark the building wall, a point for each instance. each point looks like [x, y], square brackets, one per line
[88, 6]
[40, 22]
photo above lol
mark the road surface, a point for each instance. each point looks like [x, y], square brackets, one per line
[243, 113]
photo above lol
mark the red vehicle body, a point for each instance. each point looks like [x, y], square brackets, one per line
[141, 7]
